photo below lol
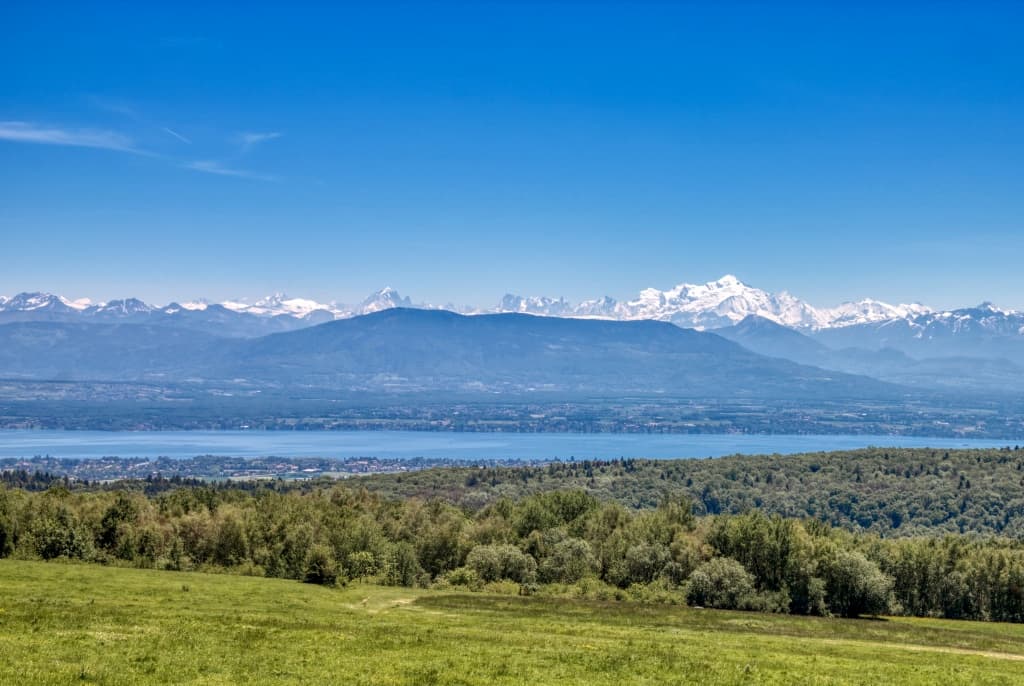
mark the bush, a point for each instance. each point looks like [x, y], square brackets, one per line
[462, 577]
[403, 568]
[595, 589]
[659, 591]
[570, 561]
[777, 602]
[361, 564]
[855, 585]
[721, 583]
[645, 562]
[497, 562]
[321, 567]
[503, 588]
[61, 535]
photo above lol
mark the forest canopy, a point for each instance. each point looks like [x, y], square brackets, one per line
[557, 540]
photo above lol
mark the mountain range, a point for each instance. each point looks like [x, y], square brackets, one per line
[715, 304]
[978, 347]
[400, 350]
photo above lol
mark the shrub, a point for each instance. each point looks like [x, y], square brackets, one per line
[855, 585]
[463, 577]
[570, 561]
[496, 562]
[645, 562]
[721, 583]
[321, 567]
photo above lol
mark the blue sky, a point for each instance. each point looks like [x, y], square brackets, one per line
[457, 152]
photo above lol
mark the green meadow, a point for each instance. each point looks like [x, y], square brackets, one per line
[70, 623]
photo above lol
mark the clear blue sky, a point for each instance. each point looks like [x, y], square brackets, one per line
[457, 152]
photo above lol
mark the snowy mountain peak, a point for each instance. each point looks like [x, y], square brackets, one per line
[384, 299]
[280, 303]
[718, 303]
[727, 281]
[868, 311]
[535, 305]
[194, 305]
[37, 301]
[605, 307]
[125, 306]
[991, 307]
[272, 306]
[715, 304]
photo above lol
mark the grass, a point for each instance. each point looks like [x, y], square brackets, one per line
[65, 623]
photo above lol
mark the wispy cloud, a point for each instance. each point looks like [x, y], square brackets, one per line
[171, 132]
[249, 140]
[114, 105]
[26, 132]
[215, 167]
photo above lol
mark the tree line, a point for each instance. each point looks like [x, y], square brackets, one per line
[561, 542]
[892, 492]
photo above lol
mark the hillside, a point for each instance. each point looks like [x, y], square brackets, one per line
[91, 624]
[965, 367]
[405, 350]
[893, 492]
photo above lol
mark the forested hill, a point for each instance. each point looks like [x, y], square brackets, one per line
[430, 352]
[889, 491]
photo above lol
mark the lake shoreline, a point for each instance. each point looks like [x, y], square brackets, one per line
[456, 446]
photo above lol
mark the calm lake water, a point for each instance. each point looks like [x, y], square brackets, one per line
[409, 444]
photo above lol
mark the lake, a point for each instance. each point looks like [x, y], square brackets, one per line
[410, 444]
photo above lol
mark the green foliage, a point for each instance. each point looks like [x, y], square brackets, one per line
[321, 567]
[721, 583]
[855, 586]
[551, 543]
[502, 562]
[464, 577]
[889, 491]
[570, 560]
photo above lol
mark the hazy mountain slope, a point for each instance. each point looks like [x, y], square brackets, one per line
[421, 350]
[983, 331]
[889, 364]
[121, 352]
[766, 337]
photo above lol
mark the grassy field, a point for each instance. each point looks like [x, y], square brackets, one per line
[63, 623]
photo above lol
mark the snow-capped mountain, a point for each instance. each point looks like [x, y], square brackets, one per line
[384, 299]
[716, 304]
[712, 305]
[986, 318]
[867, 311]
[536, 305]
[720, 303]
[605, 307]
[42, 302]
[281, 304]
[127, 306]
[984, 331]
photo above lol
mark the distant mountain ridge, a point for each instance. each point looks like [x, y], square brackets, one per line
[714, 304]
[401, 350]
[725, 302]
[898, 352]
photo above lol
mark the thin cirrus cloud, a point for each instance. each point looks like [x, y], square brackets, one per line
[215, 167]
[171, 132]
[38, 134]
[249, 140]
[26, 132]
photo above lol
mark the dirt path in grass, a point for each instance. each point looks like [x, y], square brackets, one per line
[928, 649]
